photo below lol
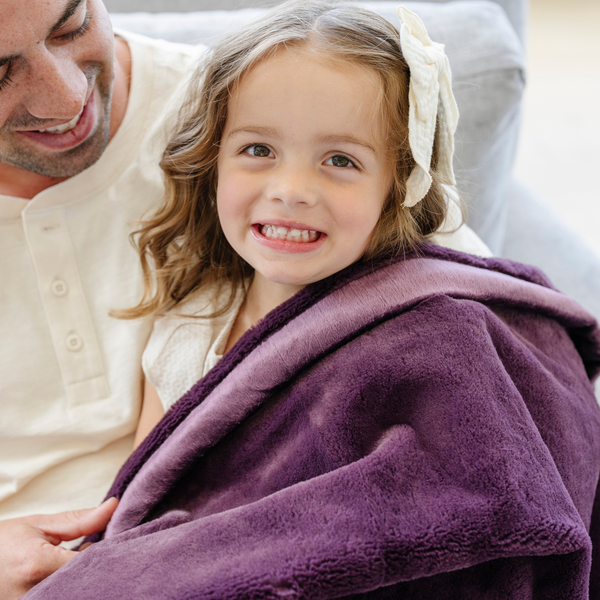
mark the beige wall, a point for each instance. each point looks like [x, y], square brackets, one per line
[559, 150]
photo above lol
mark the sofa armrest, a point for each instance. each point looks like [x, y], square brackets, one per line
[536, 236]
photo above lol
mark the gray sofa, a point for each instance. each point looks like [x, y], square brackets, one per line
[484, 41]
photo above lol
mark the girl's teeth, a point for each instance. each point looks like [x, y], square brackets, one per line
[291, 235]
[62, 128]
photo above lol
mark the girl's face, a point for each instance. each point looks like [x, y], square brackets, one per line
[302, 169]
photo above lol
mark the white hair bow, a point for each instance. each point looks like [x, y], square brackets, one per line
[430, 92]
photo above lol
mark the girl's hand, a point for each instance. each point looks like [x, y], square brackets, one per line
[29, 550]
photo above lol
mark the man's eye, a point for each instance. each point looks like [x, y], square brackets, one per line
[258, 150]
[73, 35]
[5, 72]
[339, 160]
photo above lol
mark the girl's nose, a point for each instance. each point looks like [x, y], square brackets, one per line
[293, 185]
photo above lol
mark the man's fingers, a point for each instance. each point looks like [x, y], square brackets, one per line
[29, 565]
[74, 524]
[28, 545]
[52, 559]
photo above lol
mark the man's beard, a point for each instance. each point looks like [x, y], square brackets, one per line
[60, 164]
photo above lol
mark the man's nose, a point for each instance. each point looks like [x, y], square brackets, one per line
[58, 88]
[294, 184]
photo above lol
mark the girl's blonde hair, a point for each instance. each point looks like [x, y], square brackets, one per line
[182, 247]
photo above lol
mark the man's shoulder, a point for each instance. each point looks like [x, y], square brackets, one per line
[167, 56]
[160, 71]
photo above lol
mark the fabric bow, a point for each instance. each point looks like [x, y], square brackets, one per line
[430, 92]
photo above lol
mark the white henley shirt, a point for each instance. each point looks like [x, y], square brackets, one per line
[70, 375]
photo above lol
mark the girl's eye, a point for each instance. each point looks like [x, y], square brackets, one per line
[6, 80]
[339, 160]
[258, 150]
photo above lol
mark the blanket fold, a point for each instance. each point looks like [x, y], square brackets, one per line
[424, 427]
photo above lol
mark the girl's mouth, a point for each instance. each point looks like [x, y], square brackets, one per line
[288, 239]
[277, 232]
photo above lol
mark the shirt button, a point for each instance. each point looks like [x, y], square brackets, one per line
[59, 288]
[74, 342]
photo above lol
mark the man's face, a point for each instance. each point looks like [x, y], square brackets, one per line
[56, 76]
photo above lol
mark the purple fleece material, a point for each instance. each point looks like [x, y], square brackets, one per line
[420, 428]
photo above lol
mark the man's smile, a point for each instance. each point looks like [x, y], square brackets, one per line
[63, 128]
[68, 135]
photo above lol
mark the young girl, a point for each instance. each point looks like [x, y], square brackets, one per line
[288, 167]
[374, 416]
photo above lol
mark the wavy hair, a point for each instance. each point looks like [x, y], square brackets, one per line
[182, 246]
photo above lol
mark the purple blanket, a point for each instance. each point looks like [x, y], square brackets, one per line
[421, 428]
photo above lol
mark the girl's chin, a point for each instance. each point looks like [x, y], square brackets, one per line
[296, 273]
[286, 282]
[286, 277]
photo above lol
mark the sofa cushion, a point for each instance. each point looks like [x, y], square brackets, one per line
[487, 65]
[515, 9]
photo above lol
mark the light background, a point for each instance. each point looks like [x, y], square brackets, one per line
[559, 148]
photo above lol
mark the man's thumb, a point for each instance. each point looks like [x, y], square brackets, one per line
[73, 524]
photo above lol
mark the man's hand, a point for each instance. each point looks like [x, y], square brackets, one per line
[29, 550]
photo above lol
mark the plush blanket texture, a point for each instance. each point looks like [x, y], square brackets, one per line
[420, 428]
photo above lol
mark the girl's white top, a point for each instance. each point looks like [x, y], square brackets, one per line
[185, 346]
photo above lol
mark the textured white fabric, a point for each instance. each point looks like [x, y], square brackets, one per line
[182, 349]
[430, 93]
[455, 236]
[70, 376]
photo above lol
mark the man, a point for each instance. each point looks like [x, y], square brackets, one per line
[82, 129]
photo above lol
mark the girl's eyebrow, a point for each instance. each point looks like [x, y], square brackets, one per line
[263, 131]
[347, 139]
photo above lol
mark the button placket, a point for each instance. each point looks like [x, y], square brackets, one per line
[59, 288]
[71, 327]
[74, 342]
